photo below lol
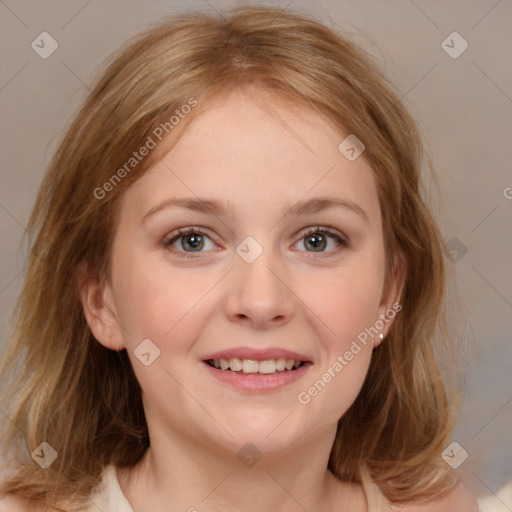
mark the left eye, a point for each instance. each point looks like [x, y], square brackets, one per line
[317, 239]
[187, 241]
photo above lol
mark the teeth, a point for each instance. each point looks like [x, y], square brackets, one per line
[267, 366]
[252, 366]
[235, 364]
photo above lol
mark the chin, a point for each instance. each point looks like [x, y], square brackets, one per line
[268, 435]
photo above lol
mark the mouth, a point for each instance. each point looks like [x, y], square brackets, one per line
[256, 367]
[257, 370]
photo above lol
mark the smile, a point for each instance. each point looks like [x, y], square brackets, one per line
[252, 366]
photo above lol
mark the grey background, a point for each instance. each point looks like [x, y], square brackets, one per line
[463, 106]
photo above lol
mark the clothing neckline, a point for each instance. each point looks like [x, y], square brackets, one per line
[377, 502]
[110, 493]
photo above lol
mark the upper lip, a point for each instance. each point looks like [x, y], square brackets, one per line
[257, 354]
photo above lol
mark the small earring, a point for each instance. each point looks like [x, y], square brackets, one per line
[381, 336]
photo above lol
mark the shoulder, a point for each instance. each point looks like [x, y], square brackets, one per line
[460, 498]
[13, 503]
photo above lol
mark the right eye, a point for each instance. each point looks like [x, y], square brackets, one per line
[188, 240]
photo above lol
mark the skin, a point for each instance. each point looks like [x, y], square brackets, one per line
[243, 149]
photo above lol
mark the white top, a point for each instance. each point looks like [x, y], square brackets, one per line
[109, 497]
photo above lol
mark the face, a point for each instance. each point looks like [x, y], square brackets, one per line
[256, 246]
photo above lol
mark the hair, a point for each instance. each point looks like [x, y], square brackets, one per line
[63, 387]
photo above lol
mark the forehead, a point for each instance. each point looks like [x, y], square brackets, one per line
[253, 149]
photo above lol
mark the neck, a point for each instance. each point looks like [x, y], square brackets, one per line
[185, 474]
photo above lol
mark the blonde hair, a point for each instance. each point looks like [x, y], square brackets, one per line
[63, 387]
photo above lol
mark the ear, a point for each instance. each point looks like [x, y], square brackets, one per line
[390, 301]
[99, 309]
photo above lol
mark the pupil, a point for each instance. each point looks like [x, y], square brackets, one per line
[194, 241]
[317, 241]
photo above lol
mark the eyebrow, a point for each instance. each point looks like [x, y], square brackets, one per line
[219, 208]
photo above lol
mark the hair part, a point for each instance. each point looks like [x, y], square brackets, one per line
[64, 387]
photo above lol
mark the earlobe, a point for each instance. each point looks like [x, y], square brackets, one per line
[378, 340]
[99, 310]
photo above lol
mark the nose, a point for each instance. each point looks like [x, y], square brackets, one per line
[259, 294]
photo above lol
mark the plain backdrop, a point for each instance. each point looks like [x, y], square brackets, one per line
[462, 101]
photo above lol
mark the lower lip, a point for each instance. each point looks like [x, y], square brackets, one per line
[258, 382]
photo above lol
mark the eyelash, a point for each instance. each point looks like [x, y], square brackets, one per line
[324, 230]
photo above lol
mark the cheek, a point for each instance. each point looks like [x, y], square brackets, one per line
[346, 301]
[346, 352]
[155, 303]
[344, 310]
[332, 390]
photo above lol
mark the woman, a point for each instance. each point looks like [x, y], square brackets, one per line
[234, 287]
